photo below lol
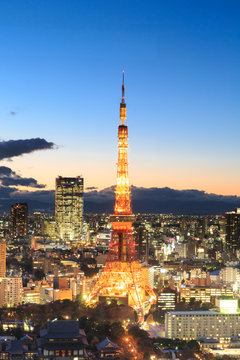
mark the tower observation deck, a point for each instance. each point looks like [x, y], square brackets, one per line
[122, 277]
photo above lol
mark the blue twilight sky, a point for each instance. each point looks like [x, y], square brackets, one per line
[60, 71]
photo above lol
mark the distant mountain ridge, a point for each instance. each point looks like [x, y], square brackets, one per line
[144, 200]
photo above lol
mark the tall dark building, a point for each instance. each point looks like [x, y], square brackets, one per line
[141, 241]
[19, 219]
[233, 229]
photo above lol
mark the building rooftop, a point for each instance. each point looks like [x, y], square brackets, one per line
[17, 348]
[107, 343]
[59, 329]
[198, 313]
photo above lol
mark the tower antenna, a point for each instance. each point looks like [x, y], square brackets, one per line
[123, 106]
[123, 89]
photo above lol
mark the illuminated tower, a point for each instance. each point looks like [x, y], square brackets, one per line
[122, 276]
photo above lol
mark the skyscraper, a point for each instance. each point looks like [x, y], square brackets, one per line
[69, 208]
[232, 219]
[19, 219]
[2, 258]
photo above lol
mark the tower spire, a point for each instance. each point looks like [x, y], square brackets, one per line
[123, 107]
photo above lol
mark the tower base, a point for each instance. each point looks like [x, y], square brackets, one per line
[123, 282]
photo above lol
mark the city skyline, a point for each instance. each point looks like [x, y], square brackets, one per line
[119, 195]
[182, 93]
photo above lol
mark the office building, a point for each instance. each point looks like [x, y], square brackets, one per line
[229, 275]
[69, 208]
[232, 219]
[196, 325]
[31, 295]
[141, 241]
[19, 220]
[167, 299]
[204, 294]
[2, 259]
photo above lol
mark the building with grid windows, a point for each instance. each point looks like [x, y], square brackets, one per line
[69, 209]
[196, 325]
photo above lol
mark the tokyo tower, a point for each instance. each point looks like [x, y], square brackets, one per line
[122, 277]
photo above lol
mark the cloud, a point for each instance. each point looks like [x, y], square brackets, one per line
[100, 196]
[6, 192]
[144, 200]
[8, 177]
[11, 148]
[163, 200]
[91, 188]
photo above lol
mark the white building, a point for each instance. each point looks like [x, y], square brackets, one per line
[181, 249]
[188, 325]
[229, 274]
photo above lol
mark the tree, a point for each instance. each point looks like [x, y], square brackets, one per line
[193, 345]
[39, 274]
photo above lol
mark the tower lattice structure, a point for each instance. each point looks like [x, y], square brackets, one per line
[122, 277]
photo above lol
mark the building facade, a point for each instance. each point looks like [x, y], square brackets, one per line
[19, 220]
[232, 223]
[69, 209]
[2, 259]
[11, 291]
[192, 325]
[167, 299]
[62, 339]
[204, 294]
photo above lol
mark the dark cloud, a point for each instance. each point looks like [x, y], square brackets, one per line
[11, 148]
[12, 113]
[41, 200]
[100, 196]
[5, 171]
[145, 200]
[44, 196]
[92, 188]
[163, 200]
[8, 177]
[6, 192]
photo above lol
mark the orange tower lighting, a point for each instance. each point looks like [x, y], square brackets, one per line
[122, 276]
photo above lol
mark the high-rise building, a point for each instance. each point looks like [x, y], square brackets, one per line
[141, 241]
[233, 229]
[2, 259]
[69, 208]
[11, 291]
[36, 224]
[19, 219]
